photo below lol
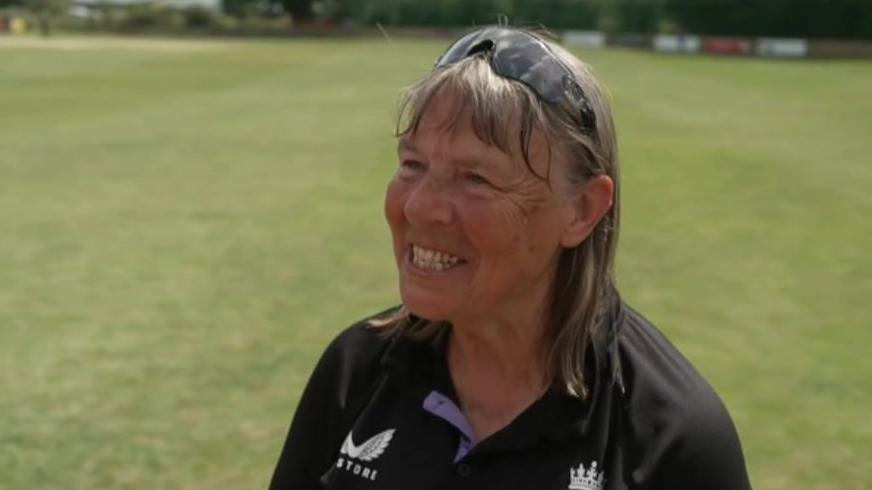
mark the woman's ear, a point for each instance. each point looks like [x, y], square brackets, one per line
[587, 209]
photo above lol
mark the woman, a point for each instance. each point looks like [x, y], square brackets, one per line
[512, 363]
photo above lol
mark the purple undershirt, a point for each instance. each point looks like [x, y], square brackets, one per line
[444, 408]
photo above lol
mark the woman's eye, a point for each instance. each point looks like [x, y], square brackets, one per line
[411, 167]
[477, 179]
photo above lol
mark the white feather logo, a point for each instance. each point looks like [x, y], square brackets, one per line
[370, 449]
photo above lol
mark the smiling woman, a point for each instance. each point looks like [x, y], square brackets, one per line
[475, 232]
[512, 362]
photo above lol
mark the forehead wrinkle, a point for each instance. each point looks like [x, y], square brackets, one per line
[447, 105]
[456, 103]
[502, 113]
[454, 109]
[447, 126]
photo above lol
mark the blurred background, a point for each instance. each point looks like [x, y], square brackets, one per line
[190, 208]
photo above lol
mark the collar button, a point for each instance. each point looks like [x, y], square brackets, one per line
[464, 469]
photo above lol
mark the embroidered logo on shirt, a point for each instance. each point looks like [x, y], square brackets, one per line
[585, 479]
[374, 447]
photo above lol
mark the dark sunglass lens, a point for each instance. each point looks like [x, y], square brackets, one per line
[458, 50]
[528, 61]
[521, 56]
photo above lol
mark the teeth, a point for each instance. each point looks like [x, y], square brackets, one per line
[433, 260]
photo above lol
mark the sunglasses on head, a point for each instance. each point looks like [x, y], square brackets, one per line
[520, 56]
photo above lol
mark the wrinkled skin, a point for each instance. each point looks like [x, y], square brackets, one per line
[454, 193]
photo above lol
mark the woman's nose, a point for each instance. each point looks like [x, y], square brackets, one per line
[429, 203]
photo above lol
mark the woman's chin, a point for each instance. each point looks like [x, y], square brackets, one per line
[425, 304]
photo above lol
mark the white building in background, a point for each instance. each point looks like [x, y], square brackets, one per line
[585, 39]
[83, 8]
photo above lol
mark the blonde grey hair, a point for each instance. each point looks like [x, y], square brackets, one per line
[583, 286]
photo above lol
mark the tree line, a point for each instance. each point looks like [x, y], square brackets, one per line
[821, 19]
[782, 18]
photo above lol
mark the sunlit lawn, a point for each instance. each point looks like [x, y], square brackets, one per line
[186, 224]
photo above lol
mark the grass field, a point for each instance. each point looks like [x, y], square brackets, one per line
[186, 224]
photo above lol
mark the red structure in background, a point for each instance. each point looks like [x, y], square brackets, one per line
[727, 45]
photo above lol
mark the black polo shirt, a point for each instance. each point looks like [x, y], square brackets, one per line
[380, 413]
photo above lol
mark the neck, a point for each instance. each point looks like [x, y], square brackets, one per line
[506, 346]
[501, 352]
[498, 369]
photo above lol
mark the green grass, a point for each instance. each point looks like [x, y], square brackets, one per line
[186, 224]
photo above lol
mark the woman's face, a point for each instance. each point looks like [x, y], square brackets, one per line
[475, 233]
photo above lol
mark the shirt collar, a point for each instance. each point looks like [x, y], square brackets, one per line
[422, 367]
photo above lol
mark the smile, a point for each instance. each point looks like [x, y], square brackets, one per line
[433, 260]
